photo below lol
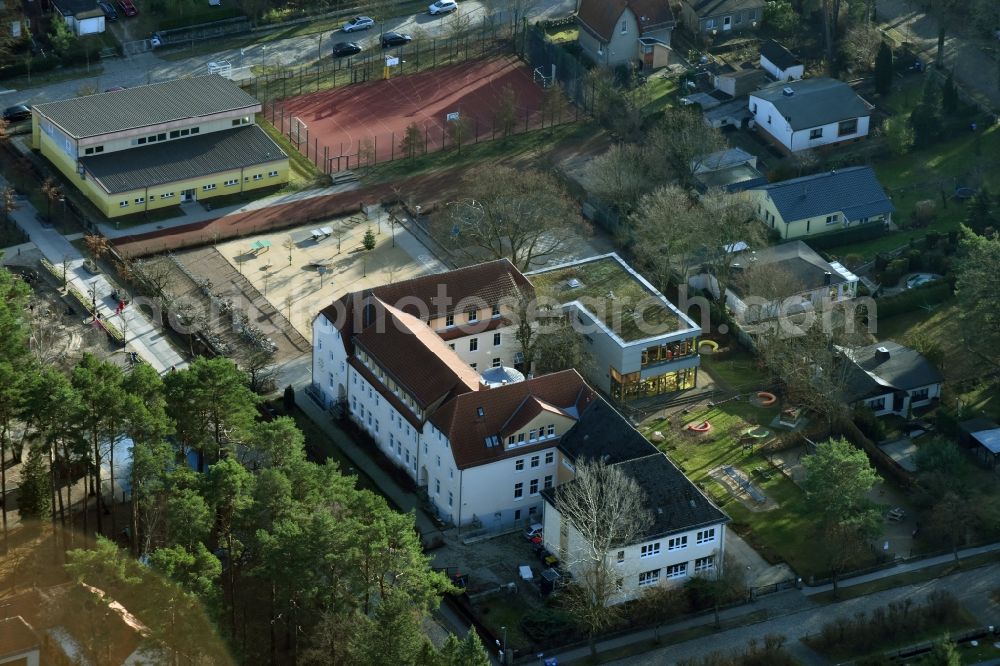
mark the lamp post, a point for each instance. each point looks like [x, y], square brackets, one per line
[503, 646]
[263, 50]
[93, 297]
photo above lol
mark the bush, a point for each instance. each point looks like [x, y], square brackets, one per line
[896, 269]
[909, 300]
[924, 212]
[547, 626]
[856, 234]
[869, 424]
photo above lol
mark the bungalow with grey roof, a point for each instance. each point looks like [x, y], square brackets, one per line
[889, 378]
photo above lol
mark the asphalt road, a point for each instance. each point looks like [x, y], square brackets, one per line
[150, 68]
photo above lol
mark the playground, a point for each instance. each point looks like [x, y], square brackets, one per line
[364, 124]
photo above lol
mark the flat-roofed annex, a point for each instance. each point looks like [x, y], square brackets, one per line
[144, 106]
[618, 297]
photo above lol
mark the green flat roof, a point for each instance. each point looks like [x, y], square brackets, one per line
[614, 294]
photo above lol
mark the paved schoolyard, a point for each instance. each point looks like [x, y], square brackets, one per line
[300, 276]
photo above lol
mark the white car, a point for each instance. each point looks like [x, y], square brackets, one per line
[358, 23]
[442, 7]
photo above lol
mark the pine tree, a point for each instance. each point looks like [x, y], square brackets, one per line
[35, 499]
[949, 95]
[368, 243]
[883, 70]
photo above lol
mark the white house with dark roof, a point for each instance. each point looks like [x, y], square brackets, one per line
[800, 115]
[823, 202]
[890, 378]
[686, 536]
[134, 150]
[616, 32]
[780, 63]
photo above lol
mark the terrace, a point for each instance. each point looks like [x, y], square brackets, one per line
[614, 294]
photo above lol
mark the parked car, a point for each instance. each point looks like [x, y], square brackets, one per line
[127, 7]
[442, 7]
[358, 23]
[114, 89]
[17, 113]
[109, 11]
[395, 39]
[344, 49]
[533, 532]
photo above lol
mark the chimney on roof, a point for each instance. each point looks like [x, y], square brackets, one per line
[787, 91]
[827, 278]
[882, 355]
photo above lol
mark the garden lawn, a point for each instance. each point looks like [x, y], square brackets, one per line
[734, 369]
[787, 533]
[661, 93]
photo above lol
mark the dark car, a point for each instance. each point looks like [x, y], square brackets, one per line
[17, 113]
[109, 11]
[395, 39]
[344, 49]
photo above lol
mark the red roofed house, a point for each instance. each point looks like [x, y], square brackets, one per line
[618, 32]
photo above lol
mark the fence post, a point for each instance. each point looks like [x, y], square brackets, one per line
[315, 149]
[476, 124]
[326, 159]
[425, 139]
[375, 149]
[525, 119]
[307, 139]
[392, 148]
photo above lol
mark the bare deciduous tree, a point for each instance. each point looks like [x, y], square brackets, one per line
[666, 231]
[521, 215]
[620, 175]
[861, 44]
[157, 273]
[680, 142]
[607, 510]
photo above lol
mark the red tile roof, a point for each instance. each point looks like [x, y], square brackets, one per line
[17, 637]
[600, 17]
[415, 356]
[467, 431]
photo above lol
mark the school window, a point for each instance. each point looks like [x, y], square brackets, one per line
[473, 315]
[496, 311]
[816, 133]
[833, 219]
[209, 187]
[258, 176]
[496, 339]
[185, 132]
[175, 134]
[519, 465]
[95, 149]
[449, 320]
[450, 498]
[650, 549]
[195, 130]
[518, 490]
[123, 204]
[677, 570]
[548, 481]
[705, 536]
[496, 362]
[677, 543]
[533, 487]
[232, 181]
[620, 557]
[392, 439]
[473, 344]
[376, 424]
[532, 510]
[520, 438]
[140, 200]
[272, 174]
[140, 141]
[535, 461]
[704, 564]
[550, 456]
[551, 431]
[533, 435]
[624, 27]
[649, 578]
[510, 440]
[439, 461]
[437, 487]
[167, 195]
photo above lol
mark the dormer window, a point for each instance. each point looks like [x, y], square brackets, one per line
[449, 320]
[496, 310]
[473, 315]
[492, 441]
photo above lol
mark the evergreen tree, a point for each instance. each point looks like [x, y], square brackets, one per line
[883, 69]
[926, 117]
[35, 499]
[468, 651]
[981, 213]
[944, 653]
[368, 243]
[949, 95]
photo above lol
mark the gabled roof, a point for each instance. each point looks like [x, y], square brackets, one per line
[710, 8]
[602, 433]
[17, 637]
[143, 106]
[192, 157]
[600, 17]
[779, 56]
[855, 191]
[78, 8]
[503, 408]
[801, 268]
[873, 372]
[814, 102]
[415, 356]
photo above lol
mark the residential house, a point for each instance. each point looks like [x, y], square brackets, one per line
[890, 378]
[806, 114]
[719, 17]
[619, 32]
[780, 280]
[733, 170]
[822, 202]
[687, 533]
[19, 644]
[983, 437]
[780, 63]
[149, 147]
[640, 343]
[83, 17]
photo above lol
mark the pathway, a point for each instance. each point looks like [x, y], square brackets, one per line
[142, 334]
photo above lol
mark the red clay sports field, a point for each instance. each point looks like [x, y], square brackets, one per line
[342, 120]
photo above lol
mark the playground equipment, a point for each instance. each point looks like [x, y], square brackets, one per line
[712, 346]
[704, 426]
[766, 399]
[758, 432]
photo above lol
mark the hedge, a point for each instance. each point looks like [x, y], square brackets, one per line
[911, 299]
[856, 234]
